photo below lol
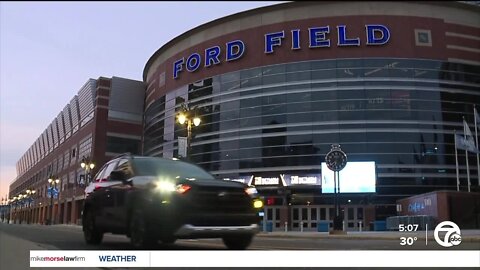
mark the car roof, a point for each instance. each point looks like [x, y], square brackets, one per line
[133, 157]
[140, 156]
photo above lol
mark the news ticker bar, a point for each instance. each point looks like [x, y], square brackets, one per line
[255, 258]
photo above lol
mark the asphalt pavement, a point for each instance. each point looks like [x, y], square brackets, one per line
[467, 235]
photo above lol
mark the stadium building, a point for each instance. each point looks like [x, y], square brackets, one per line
[103, 120]
[275, 87]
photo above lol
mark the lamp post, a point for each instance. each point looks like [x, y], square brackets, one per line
[29, 197]
[13, 204]
[88, 166]
[52, 181]
[4, 209]
[188, 116]
[21, 201]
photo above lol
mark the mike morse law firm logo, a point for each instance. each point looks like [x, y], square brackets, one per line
[451, 234]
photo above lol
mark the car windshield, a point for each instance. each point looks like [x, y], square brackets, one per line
[170, 169]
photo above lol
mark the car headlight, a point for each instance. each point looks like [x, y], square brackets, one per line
[257, 204]
[165, 186]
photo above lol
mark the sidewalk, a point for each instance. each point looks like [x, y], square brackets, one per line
[15, 253]
[18, 256]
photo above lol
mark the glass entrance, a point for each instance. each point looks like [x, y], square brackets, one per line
[272, 216]
[310, 216]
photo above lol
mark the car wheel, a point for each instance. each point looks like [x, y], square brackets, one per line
[170, 239]
[92, 235]
[140, 233]
[237, 242]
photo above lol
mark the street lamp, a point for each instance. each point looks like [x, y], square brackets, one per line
[3, 207]
[88, 166]
[30, 194]
[188, 116]
[52, 181]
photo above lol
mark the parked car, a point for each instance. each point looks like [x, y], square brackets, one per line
[151, 199]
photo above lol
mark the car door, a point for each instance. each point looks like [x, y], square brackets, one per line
[118, 211]
[93, 193]
[105, 195]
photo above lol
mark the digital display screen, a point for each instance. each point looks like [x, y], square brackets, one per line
[356, 177]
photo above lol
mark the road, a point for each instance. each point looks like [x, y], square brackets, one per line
[71, 238]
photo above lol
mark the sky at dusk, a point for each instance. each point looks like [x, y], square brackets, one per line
[48, 50]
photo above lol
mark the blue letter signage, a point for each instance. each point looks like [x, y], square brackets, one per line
[375, 34]
[376, 28]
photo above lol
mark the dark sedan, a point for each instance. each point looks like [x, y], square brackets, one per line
[151, 199]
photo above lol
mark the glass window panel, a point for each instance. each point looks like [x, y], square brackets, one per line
[323, 214]
[274, 99]
[304, 213]
[376, 62]
[295, 214]
[251, 82]
[274, 119]
[331, 213]
[294, 118]
[324, 74]
[323, 64]
[298, 76]
[274, 79]
[304, 97]
[360, 213]
[275, 69]
[350, 213]
[348, 72]
[313, 214]
[349, 63]
[323, 95]
[300, 66]
[229, 77]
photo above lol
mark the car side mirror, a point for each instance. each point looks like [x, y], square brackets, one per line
[118, 176]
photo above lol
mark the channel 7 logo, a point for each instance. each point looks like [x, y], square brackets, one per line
[452, 235]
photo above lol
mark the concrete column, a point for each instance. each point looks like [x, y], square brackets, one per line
[73, 212]
[67, 215]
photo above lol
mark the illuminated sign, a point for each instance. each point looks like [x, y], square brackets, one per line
[308, 179]
[262, 181]
[356, 177]
[375, 34]
[241, 179]
[284, 180]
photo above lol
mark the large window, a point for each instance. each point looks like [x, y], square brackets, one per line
[400, 113]
[123, 145]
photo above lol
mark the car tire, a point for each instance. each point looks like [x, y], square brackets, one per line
[91, 233]
[237, 242]
[170, 239]
[141, 235]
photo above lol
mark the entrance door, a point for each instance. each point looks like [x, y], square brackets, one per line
[353, 215]
[272, 214]
[306, 217]
[311, 215]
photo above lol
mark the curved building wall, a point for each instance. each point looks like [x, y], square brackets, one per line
[270, 113]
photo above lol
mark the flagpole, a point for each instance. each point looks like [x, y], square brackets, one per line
[456, 159]
[475, 115]
[466, 152]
